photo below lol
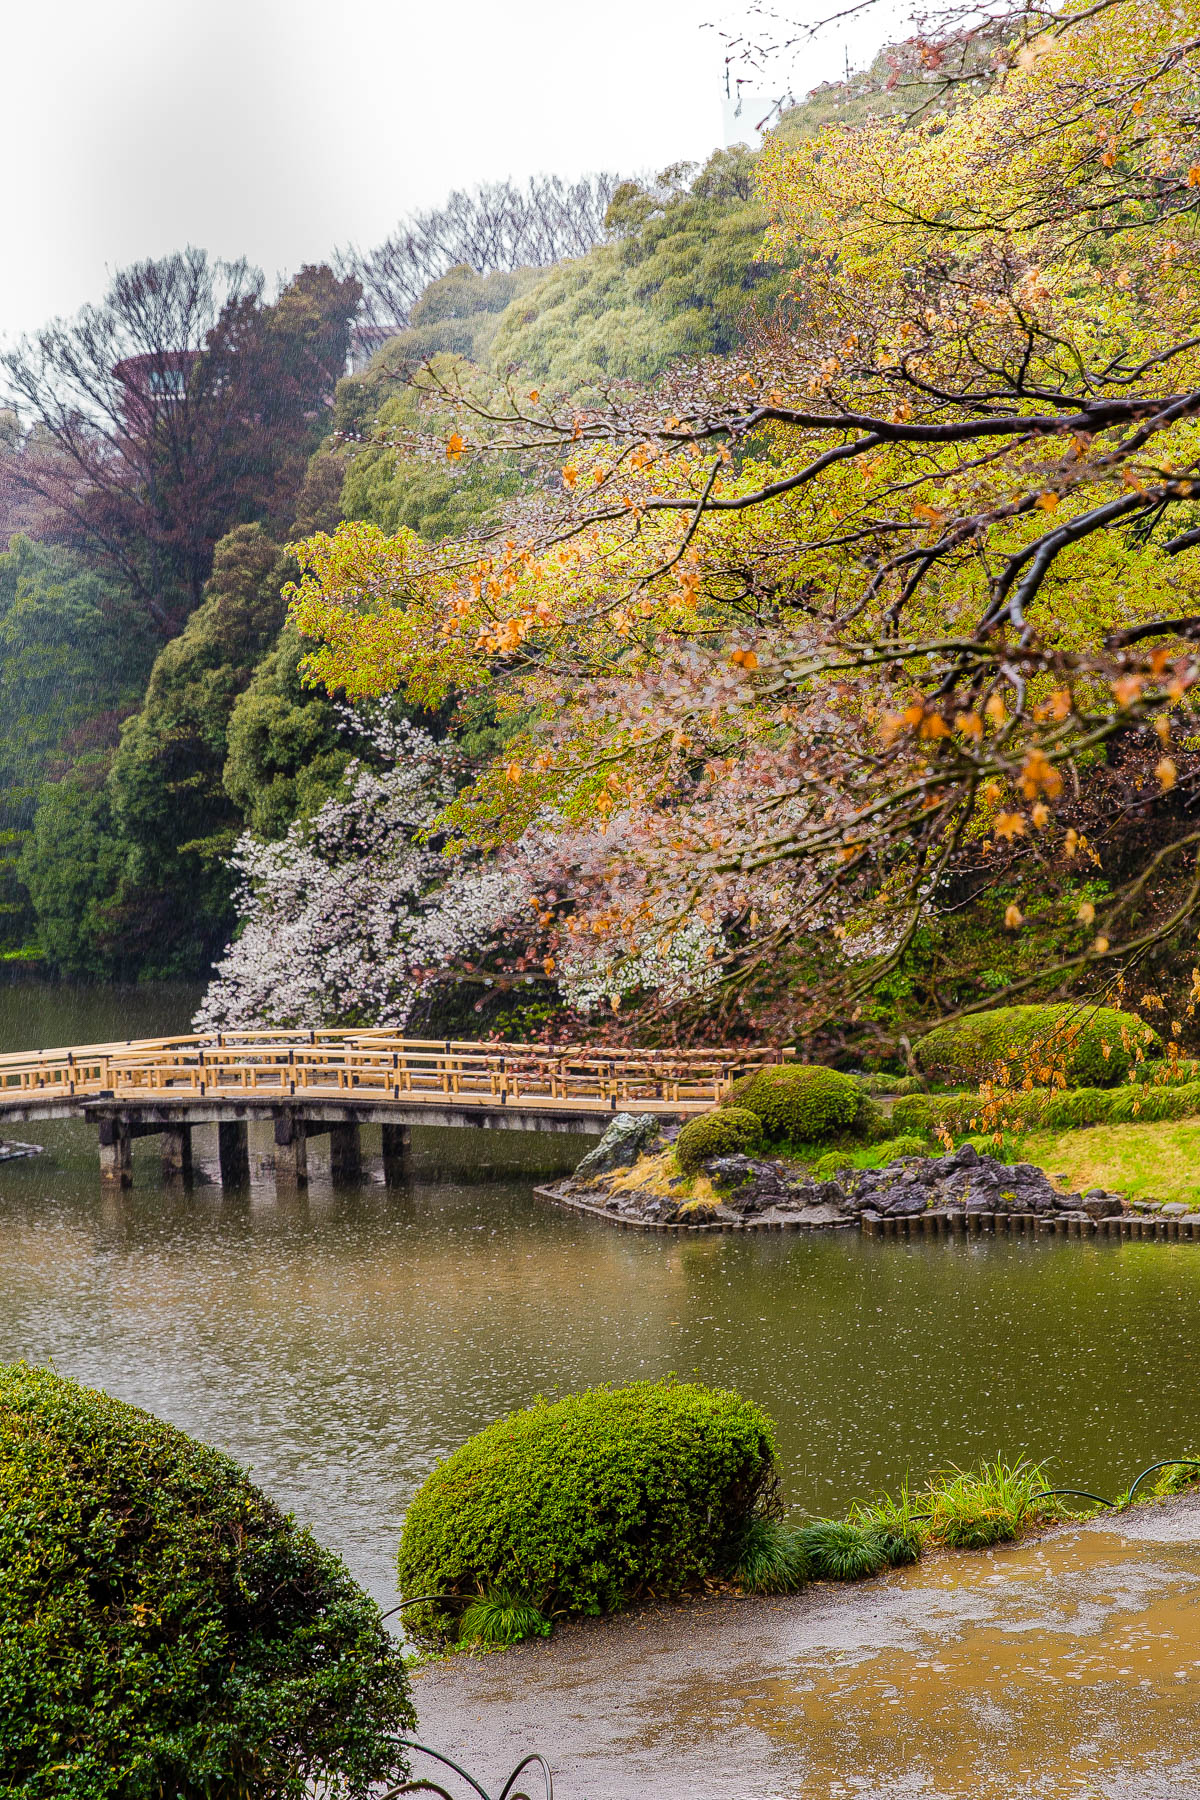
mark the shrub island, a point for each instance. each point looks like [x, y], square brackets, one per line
[804, 1145]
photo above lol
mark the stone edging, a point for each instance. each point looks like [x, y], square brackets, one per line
[930, 1224]
[629, 1222]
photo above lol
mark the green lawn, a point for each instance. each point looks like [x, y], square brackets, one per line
[1147, 1162]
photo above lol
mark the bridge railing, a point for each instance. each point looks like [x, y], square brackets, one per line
[376, 1065]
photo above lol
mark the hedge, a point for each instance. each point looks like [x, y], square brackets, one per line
[723, 1132]
[800, 1103]
[580, 1505]
[164, 1628]
[1064, 1110]
[970, 1049]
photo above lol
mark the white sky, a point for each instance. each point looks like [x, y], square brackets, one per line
[277, 129]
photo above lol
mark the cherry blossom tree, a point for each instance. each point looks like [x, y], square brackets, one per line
[356, 914]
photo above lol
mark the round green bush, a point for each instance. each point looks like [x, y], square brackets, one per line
[723, 1132]
[580, 1505]
[164, 1628]
[801, 1103]
[913, 1113]
[832, 1164]
[1071, 1037]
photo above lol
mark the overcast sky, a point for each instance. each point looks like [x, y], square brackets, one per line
[277, 129]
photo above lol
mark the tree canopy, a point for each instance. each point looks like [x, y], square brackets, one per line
[889, 608]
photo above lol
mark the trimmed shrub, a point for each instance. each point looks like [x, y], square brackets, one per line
[164, 1628]
[724, 1132]
[890, 1084]
[1071, 1108]
[579, 1505]
[832, 1164]
[913, 1113]
[1097, 1045]
[870, 1123]
[800, 1102]
[1147, 1105]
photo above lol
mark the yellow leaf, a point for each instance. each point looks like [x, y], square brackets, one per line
[1167, 773]
[1087, 912]
[969, 724]
[1100, 946]
[995, 709]
[455, 447]
[1048, 502]
[534, 395]
[1041, 815]
[1014, 918]
[1071, 841]
[1010, 825]
[513, 771]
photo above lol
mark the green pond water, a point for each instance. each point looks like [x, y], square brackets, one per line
[339, 1343]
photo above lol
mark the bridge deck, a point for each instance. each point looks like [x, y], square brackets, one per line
[314, 1081]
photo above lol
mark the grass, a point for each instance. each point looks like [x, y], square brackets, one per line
[771, 1559]
[1147, 1162]
[502, 1618]
[968, 1509]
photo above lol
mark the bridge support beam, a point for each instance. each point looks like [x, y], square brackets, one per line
[233, 1154]
[116, 1153]
[177, 1153]
[397, 1155]
[345, 1152]
[291, 1149]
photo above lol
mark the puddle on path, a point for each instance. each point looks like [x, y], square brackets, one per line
[1067, 1667]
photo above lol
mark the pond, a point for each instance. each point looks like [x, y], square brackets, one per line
[340, 1342]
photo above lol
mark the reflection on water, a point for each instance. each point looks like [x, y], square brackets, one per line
[46, 1015]
[340, 1342]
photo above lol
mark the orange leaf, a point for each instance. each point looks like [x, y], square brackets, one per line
[455, 447]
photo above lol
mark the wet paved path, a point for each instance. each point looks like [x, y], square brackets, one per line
[1066, 1667]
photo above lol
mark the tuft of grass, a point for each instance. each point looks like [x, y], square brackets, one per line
[1178, 1477]
[502, 1618]
[770, 1559]
[899, 1519]
[968, 1509]
[839, 1550]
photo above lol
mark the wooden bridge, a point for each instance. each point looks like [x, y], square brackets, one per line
[307, 1083]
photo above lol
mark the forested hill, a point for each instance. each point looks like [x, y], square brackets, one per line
[151, 701]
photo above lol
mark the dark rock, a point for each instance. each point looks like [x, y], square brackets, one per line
[1103, 1206]
[625, 1140]
[905, 1204]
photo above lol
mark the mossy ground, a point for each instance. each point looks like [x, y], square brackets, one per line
[1146, 1162]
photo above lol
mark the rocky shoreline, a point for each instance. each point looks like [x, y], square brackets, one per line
[962, 1189]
